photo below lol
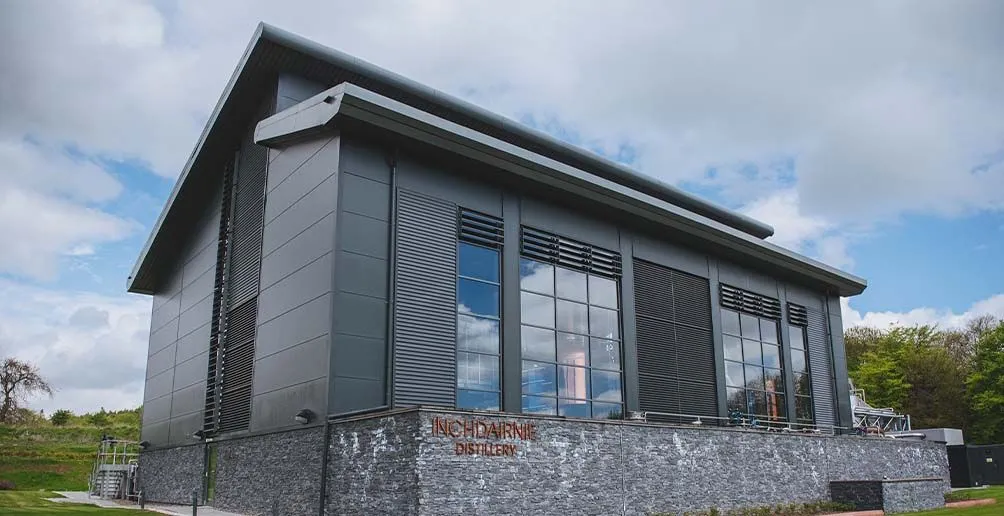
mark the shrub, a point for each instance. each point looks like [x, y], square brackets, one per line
[7, 485]
[60, 417]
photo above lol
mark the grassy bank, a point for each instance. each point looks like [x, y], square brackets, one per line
[52, 458]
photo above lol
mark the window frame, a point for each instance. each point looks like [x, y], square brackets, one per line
[553, 401]
[496, 318]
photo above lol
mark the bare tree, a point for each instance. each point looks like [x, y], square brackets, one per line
[18, 381]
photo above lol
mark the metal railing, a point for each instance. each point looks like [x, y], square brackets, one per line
[114, 473]
[741, 421]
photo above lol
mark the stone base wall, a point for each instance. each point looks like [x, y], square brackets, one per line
[373, 466]
[170, 475]
[280, 471]
[911, 496]
[397, 464]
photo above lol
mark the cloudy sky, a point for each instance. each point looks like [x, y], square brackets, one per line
[871, 137]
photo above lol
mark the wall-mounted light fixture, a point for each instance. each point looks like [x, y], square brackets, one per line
[198, 435]
[144, 444]
[304, 416]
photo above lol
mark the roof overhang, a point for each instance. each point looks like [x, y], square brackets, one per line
[326, 110]
[273, 51]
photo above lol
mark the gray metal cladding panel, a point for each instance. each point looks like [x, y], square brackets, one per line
[304, 285]
[160, 298]
[182, 428]
[365, 196]
[196, 316]
[364, 235]
[820, 367]
[156, 433]
[309, 209]
[192, 344]
[675, 344]
[290, 159]
[291, 366]
[698, 398]
[295, 89]
[165, 313]
[364, 159]
[303, 323]
[547, 216]
[162, 337]
[692, 300]
[360, 315]
[160, 361]
[805, 297]
[657, 347]
[359, 357]
[310, 176]
[672, 256]
[157, 409]
[198, 289]
[456, 187]
[356, 394]
[204, 261]
[189, 399]
[277, 408]
[314, 242]
[425, 317]
[159, 385]
[191, 371]
[360, 274]
[653, 284]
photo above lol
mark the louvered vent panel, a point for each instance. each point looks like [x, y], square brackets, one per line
[797, 315]
[676, 359]
[248, 218]
[692, 300]
[820, 366]
[749, 302]
[218, 325]
[651, 283]
[478, 228]
[237, 367]
[425, 312]
[548, 247]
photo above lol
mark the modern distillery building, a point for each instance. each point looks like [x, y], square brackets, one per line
[371, 297]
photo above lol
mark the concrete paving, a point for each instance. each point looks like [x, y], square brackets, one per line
[175, 510]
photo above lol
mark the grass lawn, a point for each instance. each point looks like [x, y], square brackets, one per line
[21, 503]
[997, 509]
[52, 458]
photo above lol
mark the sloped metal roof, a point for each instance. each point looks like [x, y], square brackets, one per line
[273, 51]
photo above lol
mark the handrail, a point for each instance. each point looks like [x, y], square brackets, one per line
[782, 425]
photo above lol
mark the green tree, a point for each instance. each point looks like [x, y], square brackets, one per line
[986, 388]
[60, 417]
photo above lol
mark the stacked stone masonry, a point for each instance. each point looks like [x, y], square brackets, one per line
[170, 475]
[400, 463]
[395, 465]
[276, 473]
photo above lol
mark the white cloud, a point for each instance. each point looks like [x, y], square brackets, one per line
[946, 319]
[91, 348]
[36, 230]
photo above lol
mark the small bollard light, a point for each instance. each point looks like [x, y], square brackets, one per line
[195, 502]
[142, 500]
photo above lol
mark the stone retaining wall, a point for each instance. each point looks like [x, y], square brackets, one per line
[397, 464]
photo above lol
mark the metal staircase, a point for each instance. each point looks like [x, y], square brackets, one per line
[114, 475]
